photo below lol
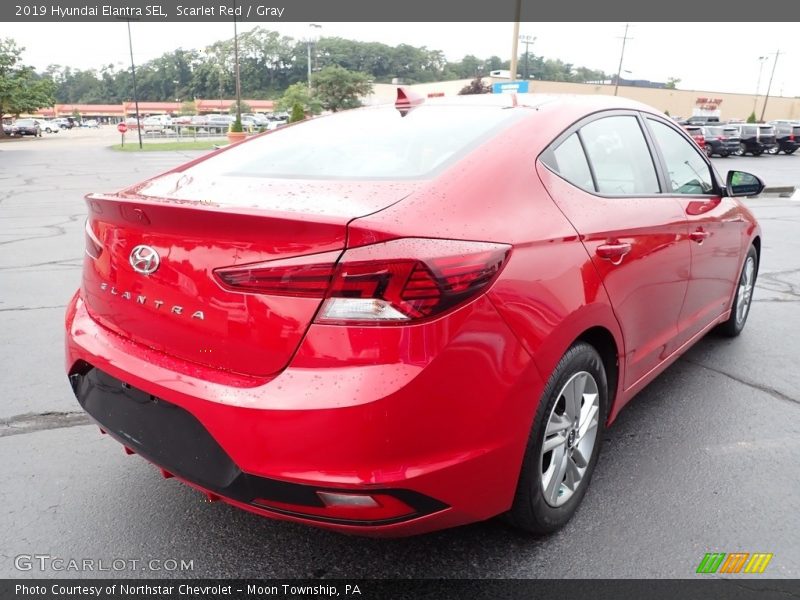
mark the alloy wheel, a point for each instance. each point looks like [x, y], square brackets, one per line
[569, 439]
[745, 294]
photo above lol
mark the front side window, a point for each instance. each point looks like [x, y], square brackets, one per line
[618, 153]
[687, 171]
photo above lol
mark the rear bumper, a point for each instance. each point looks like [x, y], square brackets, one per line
[444, 432]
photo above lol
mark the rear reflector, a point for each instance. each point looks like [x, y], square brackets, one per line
[345, 507]
[400, 281]
[94, 247]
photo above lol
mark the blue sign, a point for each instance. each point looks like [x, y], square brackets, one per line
[507, 87]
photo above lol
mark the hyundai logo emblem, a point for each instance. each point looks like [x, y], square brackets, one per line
[144, 260]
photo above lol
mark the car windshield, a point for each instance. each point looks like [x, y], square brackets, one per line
[376, 143]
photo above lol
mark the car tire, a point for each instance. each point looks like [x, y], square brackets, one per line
[790, 151]
[709, 151]
[564, 443]
[743, 298]
[774, 150]
[756, 153]
[724, 155]
[742, 150]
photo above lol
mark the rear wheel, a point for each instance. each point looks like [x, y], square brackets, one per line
[709, 151]
[742, 150]
[564, 443]
[744, 296]
[790, 151]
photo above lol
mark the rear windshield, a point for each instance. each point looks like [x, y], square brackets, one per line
[714, 130]
[375, 143]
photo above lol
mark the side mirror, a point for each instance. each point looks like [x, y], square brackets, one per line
[739, 183]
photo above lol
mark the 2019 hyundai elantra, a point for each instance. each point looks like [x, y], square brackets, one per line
[403, 318]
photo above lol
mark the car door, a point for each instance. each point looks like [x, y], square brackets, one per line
[636, 237]
[716, 228]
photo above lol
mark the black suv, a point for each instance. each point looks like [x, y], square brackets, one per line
[755, 138]
[721, 139]
[788, 136]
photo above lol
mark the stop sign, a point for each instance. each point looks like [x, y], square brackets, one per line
[122, 128]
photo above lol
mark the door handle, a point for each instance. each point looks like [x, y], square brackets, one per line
[614, 252]
[699, 236]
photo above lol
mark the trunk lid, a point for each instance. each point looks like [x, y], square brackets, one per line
[179, 308]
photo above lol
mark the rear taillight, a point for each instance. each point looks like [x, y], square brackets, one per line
[393, 282]
[94, 247]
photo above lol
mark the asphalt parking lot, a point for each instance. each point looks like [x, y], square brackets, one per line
[705, 460]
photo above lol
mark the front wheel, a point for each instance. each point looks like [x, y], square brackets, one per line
[742, 150]
[744, 296]
[564, 443]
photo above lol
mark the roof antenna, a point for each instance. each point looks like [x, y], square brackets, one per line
[406, 100]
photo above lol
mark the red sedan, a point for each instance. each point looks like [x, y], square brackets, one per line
[398, 319]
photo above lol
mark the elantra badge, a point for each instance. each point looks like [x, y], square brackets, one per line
[144, 260]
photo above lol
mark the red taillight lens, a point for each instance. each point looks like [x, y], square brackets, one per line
[392, 282]
[408, 279]
[94, 247]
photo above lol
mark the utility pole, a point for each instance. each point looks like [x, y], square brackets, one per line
[621, 56]
[236, 59]
[769, 85]
[527, 40]
[308, 47]
[761, 60]
[135, 95]
[512, 72]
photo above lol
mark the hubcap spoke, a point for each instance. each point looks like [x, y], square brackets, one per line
[553, 442]
[560, 462]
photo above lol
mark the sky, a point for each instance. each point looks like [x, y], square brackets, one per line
[654, 51]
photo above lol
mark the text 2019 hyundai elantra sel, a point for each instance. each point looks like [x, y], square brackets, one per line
[398, 319]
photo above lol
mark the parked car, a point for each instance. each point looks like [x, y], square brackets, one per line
[48, 126]
[755, 138]
[91, 123]
[259, 119]
[219, 122]
[359, 322]
[200, 120]
[22, 127]
[156, 123]
[697, 120]
[787, 136]
[697, 134]
[65, 122]
[182, 120]
[721, 140]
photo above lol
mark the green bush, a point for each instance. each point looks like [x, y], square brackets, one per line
[236, 126]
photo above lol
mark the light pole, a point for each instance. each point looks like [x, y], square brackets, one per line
[761, 60]
[527, 40]
[135, 94]
[308, 45]
[512, 71]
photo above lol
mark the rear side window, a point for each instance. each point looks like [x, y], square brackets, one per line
[569, 161]
[687, 170]
[619, 155]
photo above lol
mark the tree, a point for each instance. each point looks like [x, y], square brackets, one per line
[245, 108]
[297, 114]
[672, 83]
[21, 89]
[337, 88]
[298, 94]
[476, 86]
[752, 117]
[187, 108]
